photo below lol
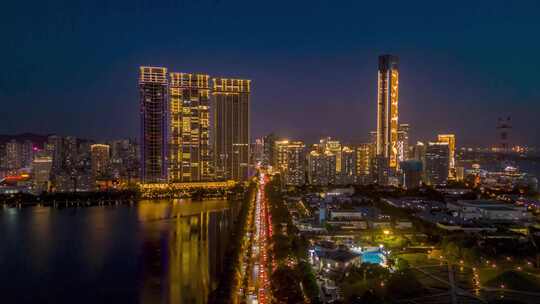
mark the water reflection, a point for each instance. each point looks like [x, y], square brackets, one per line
[152, 252]
[191, 251]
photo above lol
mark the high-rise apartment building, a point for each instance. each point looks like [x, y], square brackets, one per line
[154, 112]
[189, 133]
[41, 173]
[364, 160]
[268, 149]
[347, 175]
[387, 111]
[124, 160]
[436, 163]
[295, 171]
[71, 152]
[183, 117]
[231, 131]
[419, 154]
[13, 154]
[289, 159]
[321, 168]
[55, 148]
[100, 159]
[257, 151]
[27, 153]
[280, 155]
[450, 139]
[334, 147]
[403, 142]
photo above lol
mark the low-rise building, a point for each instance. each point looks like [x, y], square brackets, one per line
[403, 224]
[488, 210]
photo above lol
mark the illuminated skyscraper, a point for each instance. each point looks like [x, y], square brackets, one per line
[387, 111]
[450, 139]
[154, 111]
[189, 124]
[231, 133]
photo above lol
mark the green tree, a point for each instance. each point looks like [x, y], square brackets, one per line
[284, 285]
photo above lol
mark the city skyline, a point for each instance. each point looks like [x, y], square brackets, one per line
[448, 83]
[248, 152]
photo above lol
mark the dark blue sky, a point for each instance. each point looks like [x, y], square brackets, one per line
[71, 68]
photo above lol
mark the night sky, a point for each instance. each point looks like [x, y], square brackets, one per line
[71, 68]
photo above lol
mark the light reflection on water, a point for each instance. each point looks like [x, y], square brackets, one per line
[152, 252]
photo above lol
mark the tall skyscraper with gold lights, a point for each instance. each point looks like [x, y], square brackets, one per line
[189, 124]
[231, 132]
[450, 139]
[154, 111]
[387, 110]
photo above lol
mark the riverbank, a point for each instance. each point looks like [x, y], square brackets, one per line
[79, 199]
[113, 197]
[232, 276]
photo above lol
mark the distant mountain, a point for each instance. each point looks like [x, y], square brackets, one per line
[38, 139]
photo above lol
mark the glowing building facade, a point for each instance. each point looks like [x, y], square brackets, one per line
[231, 133]
[364, 160]
[387, 111]
[295, 171]
[334, 147]
[280, 155]
[347, 176]
[41, 173]
[321, 168]
[450, 139]
[154, 109]
[100, 159]
[189, 128]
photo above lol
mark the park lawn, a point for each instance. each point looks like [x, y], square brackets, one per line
[515, 280]
[487, 274]
[414, 259]
[390, 241]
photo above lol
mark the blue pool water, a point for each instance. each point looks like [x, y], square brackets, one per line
[372, 257]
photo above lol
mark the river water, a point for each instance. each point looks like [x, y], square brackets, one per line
[151, 252]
